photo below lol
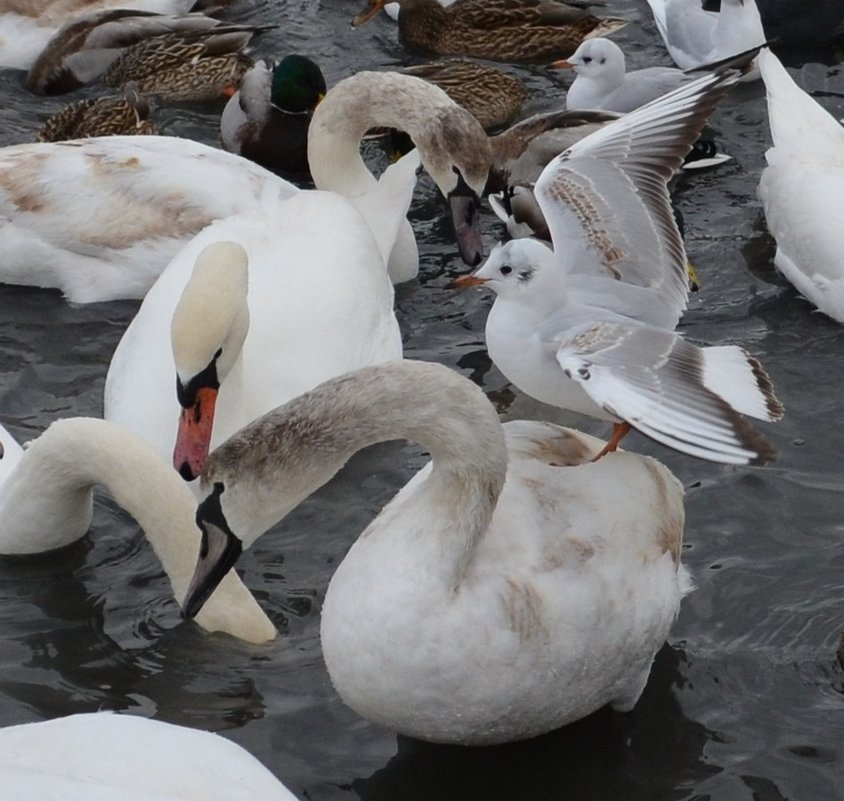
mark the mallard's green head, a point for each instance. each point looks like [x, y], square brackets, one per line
[297, 85]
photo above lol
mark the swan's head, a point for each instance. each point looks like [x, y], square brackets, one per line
[208, 330]
[595, 58]
[456, 153]
[519, 268]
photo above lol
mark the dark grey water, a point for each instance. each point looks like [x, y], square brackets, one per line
[746, 701]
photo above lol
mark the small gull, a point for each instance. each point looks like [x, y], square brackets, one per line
[589, 326]
[700, 32]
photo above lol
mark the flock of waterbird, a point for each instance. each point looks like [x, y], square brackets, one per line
[531, 572]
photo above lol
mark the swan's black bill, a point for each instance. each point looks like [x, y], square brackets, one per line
[220, 550]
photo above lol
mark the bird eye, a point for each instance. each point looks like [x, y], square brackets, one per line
[587, 59]
[506, 270]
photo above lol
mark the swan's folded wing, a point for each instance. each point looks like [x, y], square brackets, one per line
[606, 199]
[686, 397]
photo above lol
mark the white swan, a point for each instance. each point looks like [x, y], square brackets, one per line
[26, 26]
[589, 325]
[801, 189]
[498, 595]
[102, 756]
[46, 502]
[453, 147]
[696, 36]
[101, 218]
[317, 302]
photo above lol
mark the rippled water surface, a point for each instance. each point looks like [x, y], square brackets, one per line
[745, 702]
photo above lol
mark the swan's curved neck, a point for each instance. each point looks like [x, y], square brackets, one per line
[47, 503]
[371, 99]
[284, 456]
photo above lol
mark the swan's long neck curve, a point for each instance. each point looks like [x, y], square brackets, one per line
[440, 129]
[47, 503]
[278, 460]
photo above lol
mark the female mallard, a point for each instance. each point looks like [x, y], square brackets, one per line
[195, 65]
[127, 113]
[533, 31]
[267, 119]
[83, 48]
[493, 96]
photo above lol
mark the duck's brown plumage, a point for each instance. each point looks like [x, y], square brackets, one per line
[200, 66]
[532, 31]
[127, 113]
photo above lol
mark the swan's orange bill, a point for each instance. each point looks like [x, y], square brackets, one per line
[562, 64]
[193, 439]
[368, 13]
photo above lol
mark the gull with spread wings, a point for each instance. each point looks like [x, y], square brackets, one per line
[589, 325]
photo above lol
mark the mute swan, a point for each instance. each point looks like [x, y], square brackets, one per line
[101, 218]
[102, 756]
[46, 502]
[696, 36]
[317, 302]
[588, 326]
[801, 187]
[472, 610]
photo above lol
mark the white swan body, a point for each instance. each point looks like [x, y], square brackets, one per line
[102, 756]
[319, 303]
[695, 37]
[801, 189]
[26, 26]
[498, 595]
[100, 218]
[46, 502]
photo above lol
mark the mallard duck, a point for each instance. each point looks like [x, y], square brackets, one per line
[267, 119]
[493, 96]
[26, 26]
[85, 47]
[588, 326]
[498, 595]
[191, 65]
[535, 31]
[127, 113]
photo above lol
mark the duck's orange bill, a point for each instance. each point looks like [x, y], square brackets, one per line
[368, 13]
[193, 438]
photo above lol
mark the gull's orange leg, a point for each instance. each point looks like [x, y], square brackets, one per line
[619, 432]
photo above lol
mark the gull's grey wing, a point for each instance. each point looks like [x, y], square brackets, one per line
[606, 198]
[689, 398]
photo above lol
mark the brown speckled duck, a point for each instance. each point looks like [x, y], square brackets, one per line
[194, 65]
[127, 113]
[527, 31]
[493, 96]
[84, 47]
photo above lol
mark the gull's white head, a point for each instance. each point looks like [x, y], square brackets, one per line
[597, 58]
[519, 268]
